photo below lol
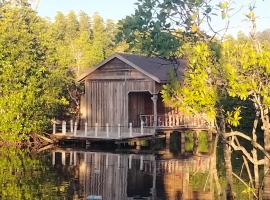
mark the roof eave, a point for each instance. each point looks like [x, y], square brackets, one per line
[91, 70]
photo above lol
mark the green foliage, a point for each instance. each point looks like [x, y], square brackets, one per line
[82, 42]
[189, 141]
[30, 88]
[203, 142]
[22, 176]
[247, 70]
[198, 92]
[38, 64]
[233, 117]
[160, 27]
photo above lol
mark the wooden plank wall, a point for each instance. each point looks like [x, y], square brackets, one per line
[107, 89]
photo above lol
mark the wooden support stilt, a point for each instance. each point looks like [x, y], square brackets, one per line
[141, 163]
[182, 142]
[141, 127]
[53, 158]
[130, 161]
[119, 130]
[70, 158]
[107, 160]
[75, 128]
[75, 158]
[196, 142]
[107, 130]
[167, 138]
[96, 129]
[118, 161]
[85, 128]
[63, 158]
[130, 129]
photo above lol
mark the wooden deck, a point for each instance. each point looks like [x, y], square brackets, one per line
[104, 136]
[181, 123]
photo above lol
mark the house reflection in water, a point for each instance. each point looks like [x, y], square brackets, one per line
[131, 176]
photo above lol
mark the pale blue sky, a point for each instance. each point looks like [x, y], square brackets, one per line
[118, 9]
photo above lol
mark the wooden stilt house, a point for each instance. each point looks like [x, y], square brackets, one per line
[126, 89]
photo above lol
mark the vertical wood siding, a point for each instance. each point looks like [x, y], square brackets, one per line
[107, 90]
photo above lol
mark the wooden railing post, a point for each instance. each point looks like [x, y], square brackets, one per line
[64, 127]
[54, 127]
[96, 129]
[141, 128]
[71, 126]
[119, 131]
[75, 128]
[130, 129]
[107, 129]
[154, 98]
[85, 128]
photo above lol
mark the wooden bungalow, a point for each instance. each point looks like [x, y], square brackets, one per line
[125, 89]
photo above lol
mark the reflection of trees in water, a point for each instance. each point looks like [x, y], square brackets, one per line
[22, 176]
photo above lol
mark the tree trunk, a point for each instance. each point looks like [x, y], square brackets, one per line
[213, 167]
[266, 127]
[254, 153]
[227, 159]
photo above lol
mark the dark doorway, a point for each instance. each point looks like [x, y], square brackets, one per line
[139, 103]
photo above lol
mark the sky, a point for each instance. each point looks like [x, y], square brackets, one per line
[108, 9]
[118, 9]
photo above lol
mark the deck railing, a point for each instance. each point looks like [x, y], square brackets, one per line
[71, 128]
[175, 120]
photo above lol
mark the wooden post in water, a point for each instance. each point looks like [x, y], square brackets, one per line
[71, 126]
[118, 161]
[75, 158]
[70, 158]
[107, 160]
[75, 128]
[96, 129]
[107, 130]
[54, 127]
[141, 127]
[130, 129]
[85, 129]
[63, 158]
[196, 142]
[141, 163]
[64, 127]
[182, 142]
[130, 161]
[119, 130]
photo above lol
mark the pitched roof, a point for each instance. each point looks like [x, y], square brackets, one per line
[153, 67]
